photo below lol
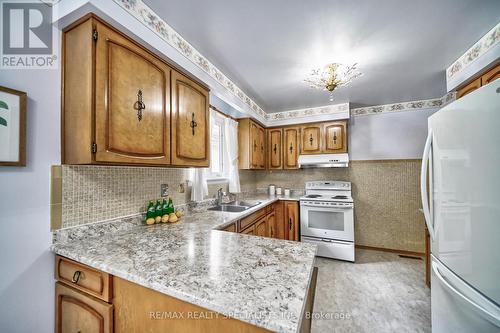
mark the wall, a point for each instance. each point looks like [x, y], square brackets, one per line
[398, 135]
[386, 199]
[27, 278]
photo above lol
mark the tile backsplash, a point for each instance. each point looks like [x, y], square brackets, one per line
[97, 193]
[86, 194]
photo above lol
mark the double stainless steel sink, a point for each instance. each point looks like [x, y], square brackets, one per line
[235, 206]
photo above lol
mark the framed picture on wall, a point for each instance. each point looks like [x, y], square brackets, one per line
[12, 127]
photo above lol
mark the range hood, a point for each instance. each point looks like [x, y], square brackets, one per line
[324, 161]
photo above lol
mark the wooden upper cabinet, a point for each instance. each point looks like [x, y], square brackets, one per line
[116, 103]
[274, 148]
[290, 147]
[491, 75]
[476, 84]
[311, 139]
[132, 102]
[488, 77]
[262, 147]
[190, 123]
[335, 137]
[251, 145]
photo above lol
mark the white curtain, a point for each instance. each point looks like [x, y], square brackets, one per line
[230, 160]
[199, 189]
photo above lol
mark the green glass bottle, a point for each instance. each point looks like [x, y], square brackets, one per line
[158, 209]
[164, 210]
[170, 206]
[150, 212]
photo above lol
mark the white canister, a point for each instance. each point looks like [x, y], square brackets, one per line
[287, 192]
[272, 190]
[278, 190]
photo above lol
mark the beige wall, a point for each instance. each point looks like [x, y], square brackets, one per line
[386, 199]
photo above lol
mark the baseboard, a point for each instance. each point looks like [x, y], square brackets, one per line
[411, 253]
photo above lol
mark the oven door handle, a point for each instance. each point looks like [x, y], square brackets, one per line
[329, 207]
[326, 240]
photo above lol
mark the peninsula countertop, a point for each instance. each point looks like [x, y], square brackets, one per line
[261, 281]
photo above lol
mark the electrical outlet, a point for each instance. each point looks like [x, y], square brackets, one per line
[181, 188]
[164, 190]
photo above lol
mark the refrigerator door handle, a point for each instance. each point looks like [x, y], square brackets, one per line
[489, 314]
[423, 185]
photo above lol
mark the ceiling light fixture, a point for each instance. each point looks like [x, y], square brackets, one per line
[332, 76]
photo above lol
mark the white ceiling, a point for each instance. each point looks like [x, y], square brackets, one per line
[267, 47]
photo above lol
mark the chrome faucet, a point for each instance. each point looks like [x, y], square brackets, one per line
[220, 195]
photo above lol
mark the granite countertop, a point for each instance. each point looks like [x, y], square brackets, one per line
[258, 280]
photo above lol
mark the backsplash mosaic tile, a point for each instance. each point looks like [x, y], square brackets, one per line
[97, 193]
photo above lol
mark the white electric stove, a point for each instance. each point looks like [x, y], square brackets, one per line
[327, 218]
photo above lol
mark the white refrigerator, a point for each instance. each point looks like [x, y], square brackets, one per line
[460, 182]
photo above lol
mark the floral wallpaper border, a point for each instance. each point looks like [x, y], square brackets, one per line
[405, 106]
[150, 19]
[322, 110]
[482, 46]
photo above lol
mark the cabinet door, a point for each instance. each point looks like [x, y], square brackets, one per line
[271, 225]
[274, 148]
[190, 122]
[255, 146]
[290, 148]
[280, 222]
[476, 84]
[132, 102]
[311, 139]
[262, 147]
[491, 75]
[291, 209]
[249, 231]
[77, 312]
[261, 227]
[335, 137]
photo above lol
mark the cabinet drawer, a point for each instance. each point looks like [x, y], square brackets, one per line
[84, 278]
[252, 218]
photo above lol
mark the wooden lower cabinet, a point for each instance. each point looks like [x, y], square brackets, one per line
[291, 214]
[231, 227]
[79, 312]
[279, 220]
[261, 227]
[249, 231]
[139, 309]
[271, 225]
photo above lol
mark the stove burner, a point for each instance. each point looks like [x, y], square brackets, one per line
[340, 197]
[313, 196]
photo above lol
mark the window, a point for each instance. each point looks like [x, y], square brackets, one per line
[216, 146]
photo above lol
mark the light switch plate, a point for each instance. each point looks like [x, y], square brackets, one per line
[164, 190]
